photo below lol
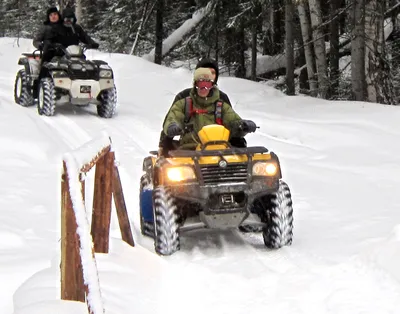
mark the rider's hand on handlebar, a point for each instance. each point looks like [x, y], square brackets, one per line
[247, 126]
[174, 129]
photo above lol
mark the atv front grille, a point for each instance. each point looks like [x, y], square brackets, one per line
[232, 173]
[84, 75]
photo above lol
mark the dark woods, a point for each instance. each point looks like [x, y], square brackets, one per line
[333, 49]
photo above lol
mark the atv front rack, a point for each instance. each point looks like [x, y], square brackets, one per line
[249, 151]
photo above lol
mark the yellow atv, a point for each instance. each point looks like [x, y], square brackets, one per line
[215, 186]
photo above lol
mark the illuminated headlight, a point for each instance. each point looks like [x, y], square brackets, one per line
[265, 169]
[105, 74]
[178, 174]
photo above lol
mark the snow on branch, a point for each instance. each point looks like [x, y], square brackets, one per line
[177, 36]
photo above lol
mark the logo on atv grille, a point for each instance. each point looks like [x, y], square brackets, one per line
[222, 163]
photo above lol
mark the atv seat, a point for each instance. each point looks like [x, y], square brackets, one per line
[32, 55]
[167, 144]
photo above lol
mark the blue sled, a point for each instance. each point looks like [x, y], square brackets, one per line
[146, 205]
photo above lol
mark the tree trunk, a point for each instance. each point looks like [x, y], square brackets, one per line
[358, 51]
[308, 46]
[241, 71]
[254, 52]
[334, 47]
[266, 30]
[158, 53]
[276, 18]
[289, 48]
[78, 11]
[377, 80]
[304, 86]
[319, 47]
[217, 23]
[143, 21]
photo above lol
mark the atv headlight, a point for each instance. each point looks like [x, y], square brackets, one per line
[178, 174]
[105, 74]
[265, 169]
[57, 74]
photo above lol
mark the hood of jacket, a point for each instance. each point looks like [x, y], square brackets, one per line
[48, 12]
[69, 12]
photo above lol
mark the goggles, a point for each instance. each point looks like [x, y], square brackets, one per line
[204, 84]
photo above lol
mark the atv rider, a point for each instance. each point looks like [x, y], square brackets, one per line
[165, 142]
[205, 98]
[59, 31]
[45, 34]
[70, 33]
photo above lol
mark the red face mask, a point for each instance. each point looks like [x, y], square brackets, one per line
[204, 84]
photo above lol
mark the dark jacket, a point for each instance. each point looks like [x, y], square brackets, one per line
[46, 32]
[71, 35]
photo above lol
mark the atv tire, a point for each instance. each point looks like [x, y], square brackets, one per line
[22, 94]
[277, 212]
[108, 103]
[146, 228]
[166, 238]
[47, 97]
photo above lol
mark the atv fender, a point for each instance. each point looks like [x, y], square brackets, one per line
[99, 62]
[106, 84]
[24, 61]
[146, 201]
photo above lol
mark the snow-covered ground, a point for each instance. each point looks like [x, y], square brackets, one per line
[340, 159]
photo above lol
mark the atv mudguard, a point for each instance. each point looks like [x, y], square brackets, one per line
[146, 201]
[31, 65]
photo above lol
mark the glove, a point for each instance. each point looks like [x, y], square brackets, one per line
[41, 46]
[94, 45]
[248, 126]
[173, 130]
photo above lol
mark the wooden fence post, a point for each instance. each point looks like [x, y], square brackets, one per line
[72, 285]
[119, 201]
[102, 199]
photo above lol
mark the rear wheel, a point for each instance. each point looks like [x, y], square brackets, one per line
[276, 212]
[47, 97]
[22, 93]
[166, 238]
[108, 103]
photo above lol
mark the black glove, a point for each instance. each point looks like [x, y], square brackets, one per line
[174, 129]
[94, 45]
[41, 46]
[248, 126]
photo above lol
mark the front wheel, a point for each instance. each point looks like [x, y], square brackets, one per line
[276, 212]
[47, 97]
[166, 237]
[22, 93]
[108, 103]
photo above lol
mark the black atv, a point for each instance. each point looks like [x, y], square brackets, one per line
[68, 79]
